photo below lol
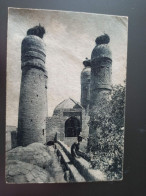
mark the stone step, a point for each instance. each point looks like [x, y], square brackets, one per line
[83, 166]
[72, 169]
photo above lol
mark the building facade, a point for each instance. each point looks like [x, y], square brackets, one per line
[68, 121]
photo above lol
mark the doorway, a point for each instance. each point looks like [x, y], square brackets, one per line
[72, 127]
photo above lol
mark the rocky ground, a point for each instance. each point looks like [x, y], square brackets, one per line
[35, 163]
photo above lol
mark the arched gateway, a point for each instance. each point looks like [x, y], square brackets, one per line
[68, 121]
[72, 127]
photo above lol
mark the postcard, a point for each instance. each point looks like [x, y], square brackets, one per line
[65, 102]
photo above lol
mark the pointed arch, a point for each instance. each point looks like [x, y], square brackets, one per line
[72, 127]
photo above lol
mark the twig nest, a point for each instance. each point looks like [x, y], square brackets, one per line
[103, 39]
[37, 30]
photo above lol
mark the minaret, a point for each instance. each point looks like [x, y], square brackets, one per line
[100, 85]
[33, 91]
[85, 84]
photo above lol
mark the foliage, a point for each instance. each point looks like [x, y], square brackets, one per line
[108, 143]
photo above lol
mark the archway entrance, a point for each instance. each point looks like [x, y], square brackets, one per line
[72, 127]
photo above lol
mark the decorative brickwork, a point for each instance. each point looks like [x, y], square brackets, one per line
[101, 71]
[85, 84]
[33, 92]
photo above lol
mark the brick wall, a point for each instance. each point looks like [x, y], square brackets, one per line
[11, 137]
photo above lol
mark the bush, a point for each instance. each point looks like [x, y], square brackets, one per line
[108, 143]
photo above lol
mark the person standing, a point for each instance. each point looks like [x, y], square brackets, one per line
[75, 147]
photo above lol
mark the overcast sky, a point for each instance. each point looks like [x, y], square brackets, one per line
[69, 38]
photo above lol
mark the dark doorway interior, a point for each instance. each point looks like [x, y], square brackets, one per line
[72, 127]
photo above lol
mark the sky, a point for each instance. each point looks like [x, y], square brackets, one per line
[69, 39]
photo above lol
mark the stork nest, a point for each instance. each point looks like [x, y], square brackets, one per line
[103, 39]
[37, 30]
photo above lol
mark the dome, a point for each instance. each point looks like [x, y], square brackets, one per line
[86, 72]
[101, 51]
[86, 62]
[67, 104]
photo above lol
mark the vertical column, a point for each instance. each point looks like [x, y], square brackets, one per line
[85, 84]
[33, 92]
[100, 85]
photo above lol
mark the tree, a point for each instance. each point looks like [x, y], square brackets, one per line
[108, 151]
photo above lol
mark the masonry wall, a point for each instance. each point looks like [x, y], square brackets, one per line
[85, 87]
[32, 109]
[11, 137]
[8, 141]
[53, 127]
[85, 124]
[56, 124]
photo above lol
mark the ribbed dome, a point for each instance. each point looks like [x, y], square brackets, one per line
[101, 51]
[86, 71]
[67, 104]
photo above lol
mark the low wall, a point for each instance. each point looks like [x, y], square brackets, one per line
[83, 166]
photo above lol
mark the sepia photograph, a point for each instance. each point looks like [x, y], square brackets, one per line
[65, 96]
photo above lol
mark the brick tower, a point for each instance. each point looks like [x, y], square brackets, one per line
[100, 85]
[85, 84]
[33, 91]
